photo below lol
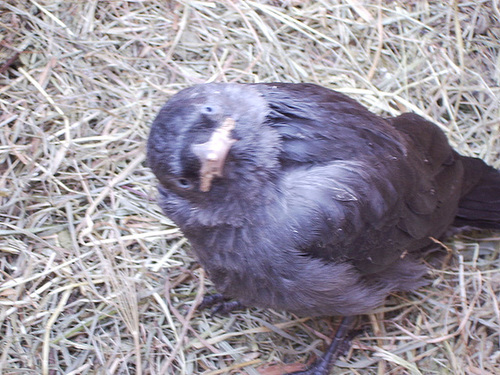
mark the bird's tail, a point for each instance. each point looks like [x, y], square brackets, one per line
[480, 206]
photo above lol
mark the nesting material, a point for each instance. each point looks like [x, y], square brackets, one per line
[93, 278]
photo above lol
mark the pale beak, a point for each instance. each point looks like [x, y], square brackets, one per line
[212, 154]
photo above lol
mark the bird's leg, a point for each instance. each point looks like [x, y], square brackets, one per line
[219, 305]
[210, 300]
[339, 344]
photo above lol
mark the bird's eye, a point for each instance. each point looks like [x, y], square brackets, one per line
[184, 183]
[209, 110]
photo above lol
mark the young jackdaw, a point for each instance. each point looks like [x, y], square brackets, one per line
[295, 197]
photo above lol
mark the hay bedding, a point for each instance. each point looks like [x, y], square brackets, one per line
[94, 280]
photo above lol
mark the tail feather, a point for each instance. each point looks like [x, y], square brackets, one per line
[480, 206]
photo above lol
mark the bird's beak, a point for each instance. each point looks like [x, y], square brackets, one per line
[212, 154]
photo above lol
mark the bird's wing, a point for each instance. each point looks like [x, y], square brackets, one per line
[370, 189]
[318, 125]
[343, 212]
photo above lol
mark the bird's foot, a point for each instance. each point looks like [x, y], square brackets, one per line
[339, 345]
[218, 304]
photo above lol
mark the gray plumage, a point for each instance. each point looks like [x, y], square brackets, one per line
[322, 207]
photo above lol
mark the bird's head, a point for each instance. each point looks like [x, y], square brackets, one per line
[210, 144]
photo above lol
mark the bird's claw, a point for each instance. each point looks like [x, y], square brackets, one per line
[219, 305]
[210, 300]
[339, 345]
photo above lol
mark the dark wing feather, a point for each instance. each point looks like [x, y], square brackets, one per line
[319, 125]
[404, 178]
[438, 175]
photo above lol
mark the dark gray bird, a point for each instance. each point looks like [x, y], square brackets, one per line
[295, 197]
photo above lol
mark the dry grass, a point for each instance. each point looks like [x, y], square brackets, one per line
[94, 280]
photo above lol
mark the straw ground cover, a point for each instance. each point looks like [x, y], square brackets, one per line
[93, 278]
